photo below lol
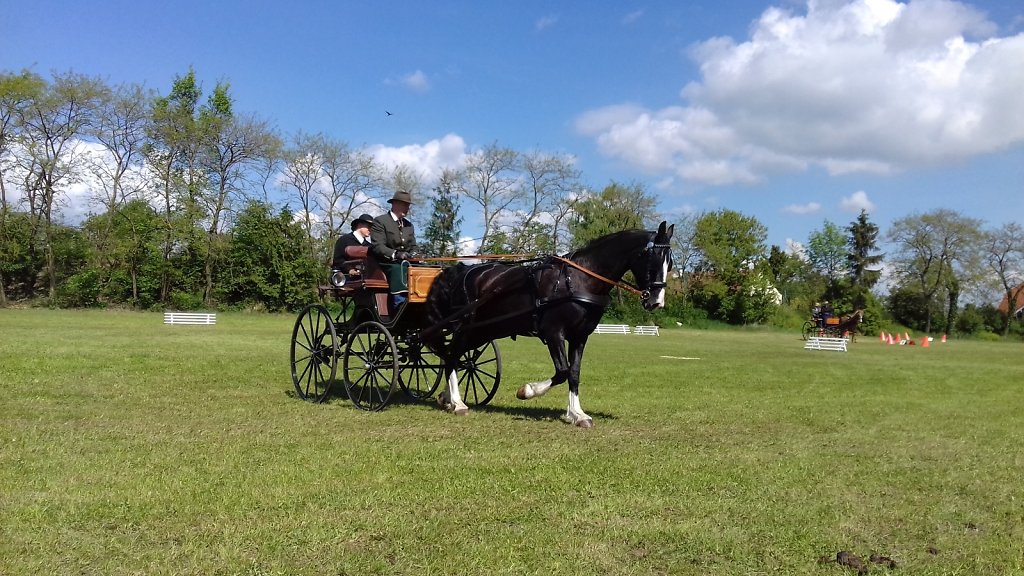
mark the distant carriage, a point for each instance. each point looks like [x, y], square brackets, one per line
[834, 326]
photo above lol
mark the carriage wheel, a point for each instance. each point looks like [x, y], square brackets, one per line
[371, 366]
[344, 308]
[479, 374]
[810, 330]
[314, 353]
[421, 369]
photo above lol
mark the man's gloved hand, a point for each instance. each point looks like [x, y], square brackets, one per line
[401, 255]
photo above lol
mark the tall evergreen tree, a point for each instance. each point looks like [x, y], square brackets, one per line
[442, 233]
[861, 259]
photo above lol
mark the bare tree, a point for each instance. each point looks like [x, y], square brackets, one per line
[303, 171]
[53, 125]
[490, 179]
[1003, 253]
[550, 185]
[353, 180]
[17, 92]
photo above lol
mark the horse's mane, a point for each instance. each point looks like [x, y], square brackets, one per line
[601, 245]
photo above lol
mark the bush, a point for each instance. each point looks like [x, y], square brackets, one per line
[81, 290]
[186, 301]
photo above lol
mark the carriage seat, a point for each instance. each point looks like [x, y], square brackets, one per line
[363, 272]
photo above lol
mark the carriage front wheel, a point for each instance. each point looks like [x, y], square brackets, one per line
[314, 353]
[371, 366]
[479, 374]
[809, 330]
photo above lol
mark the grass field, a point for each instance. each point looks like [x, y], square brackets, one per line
[130, 447]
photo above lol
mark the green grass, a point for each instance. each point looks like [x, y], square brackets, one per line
[130, 447]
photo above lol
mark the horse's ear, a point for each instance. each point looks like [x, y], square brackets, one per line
[670, 230]
[661, 228]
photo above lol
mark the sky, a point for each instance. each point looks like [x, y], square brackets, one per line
[792, 112]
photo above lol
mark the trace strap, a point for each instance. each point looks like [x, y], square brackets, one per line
[620, 284]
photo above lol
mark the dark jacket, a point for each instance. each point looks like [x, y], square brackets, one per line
[338, 261]
[388, 237]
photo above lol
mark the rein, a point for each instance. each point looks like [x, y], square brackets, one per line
[620, 284]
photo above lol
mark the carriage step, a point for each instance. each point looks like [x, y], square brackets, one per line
[824, 343]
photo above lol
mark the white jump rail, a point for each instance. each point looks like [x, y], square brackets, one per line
[823, 343]
[646, 330]
[193, 318]
[611, 329]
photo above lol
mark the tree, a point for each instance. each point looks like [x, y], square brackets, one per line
[441, 238]
[730, 249]
[617, 207]
[354, 179]
[931, 250]
[827, 255]
[17, 92]
[234, 146]
[489, 180]
[1003, 254]
[551, 184]
[862, 259]
[53, 123]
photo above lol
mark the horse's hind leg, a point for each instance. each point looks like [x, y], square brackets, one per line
[451, 398]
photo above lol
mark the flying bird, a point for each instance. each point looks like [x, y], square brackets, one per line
[388, 113]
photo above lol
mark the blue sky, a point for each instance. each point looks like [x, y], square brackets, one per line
[788, 111]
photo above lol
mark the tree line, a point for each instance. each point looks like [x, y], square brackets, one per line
[186, 211]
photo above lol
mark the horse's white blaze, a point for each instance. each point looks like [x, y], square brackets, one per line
[664, 278]
[534, 389]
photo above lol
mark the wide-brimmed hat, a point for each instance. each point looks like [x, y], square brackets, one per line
[364, 218]
[401, 196]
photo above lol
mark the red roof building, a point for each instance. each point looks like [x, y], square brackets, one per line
[1018, 294]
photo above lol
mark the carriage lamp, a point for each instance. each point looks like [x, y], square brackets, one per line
[338, 278]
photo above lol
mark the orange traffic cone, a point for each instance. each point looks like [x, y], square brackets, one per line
[924, 342]
[883, 337]
[891, 339]
[943, 337]
[906, 336]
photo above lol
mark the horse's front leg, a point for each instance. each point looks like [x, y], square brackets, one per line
[556, 347]
[574, 414]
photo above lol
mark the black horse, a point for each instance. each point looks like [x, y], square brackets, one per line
[558, 299]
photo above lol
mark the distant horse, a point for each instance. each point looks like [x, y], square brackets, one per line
[849, 324]
[558, 299]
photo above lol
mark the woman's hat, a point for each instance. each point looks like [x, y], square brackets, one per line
[402, 196]
[364, 218]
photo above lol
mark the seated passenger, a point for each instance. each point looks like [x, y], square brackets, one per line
[359, 236]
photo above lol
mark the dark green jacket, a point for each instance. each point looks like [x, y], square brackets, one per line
[388, 238]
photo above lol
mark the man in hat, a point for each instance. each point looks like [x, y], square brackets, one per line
[359, 236]
[394, 242]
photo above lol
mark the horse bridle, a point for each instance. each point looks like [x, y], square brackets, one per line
[628, 286]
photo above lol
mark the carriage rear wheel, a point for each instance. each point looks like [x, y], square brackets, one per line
[371, 366]
[809, 330]
[420, 373]
[314, 353]
[479, 374]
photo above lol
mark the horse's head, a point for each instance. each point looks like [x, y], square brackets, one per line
[651, 267]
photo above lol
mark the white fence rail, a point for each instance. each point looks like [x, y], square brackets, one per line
[822, 343]
[200, 318]
[612, 329]
[646, 331]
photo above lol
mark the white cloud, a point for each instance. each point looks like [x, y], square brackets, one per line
[633, 16]
[417, 81]
[428, 160]
[809, 208]
[849, 86]
[856, 202]
[545, 22]
[795, 248]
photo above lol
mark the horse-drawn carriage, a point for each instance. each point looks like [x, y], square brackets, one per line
[833, 326]
[446, 330]
[353, 339]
